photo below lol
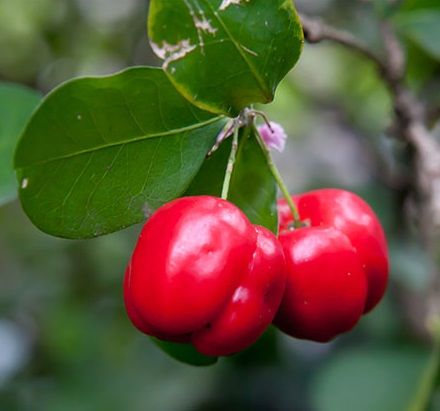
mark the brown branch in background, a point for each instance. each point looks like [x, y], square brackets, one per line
[410, 125]
[316, 31]
[433, 115]
[395, 57]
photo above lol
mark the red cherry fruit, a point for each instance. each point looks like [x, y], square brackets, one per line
[201, 272]
[326, 287]
[349, 214]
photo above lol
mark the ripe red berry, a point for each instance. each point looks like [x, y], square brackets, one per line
[326, 286]
[352, 216]
[202, 273]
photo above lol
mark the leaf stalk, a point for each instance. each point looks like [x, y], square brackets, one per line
[231, 163]
[297, 223]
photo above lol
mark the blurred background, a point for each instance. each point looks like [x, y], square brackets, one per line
[65, 341]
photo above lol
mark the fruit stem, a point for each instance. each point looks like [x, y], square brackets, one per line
[231, 163]
[431, 372]
[276, 174]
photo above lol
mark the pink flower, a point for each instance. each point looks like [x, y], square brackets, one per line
[275, 138]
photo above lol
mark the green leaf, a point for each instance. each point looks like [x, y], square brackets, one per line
[101, 154]
[252, 187]
[265, 351]
[16, 105]
[369, 379]
[431, 374]
[420, 4]
[224, 55]
[423, 27]
[185, 353]
[209, 179]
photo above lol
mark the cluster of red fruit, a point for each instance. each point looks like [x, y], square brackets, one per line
[202, 273]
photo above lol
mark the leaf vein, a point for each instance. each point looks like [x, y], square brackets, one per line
[124, 142]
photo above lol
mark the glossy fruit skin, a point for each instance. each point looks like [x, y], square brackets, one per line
[352, 216]
[326, 287]
[189, 278]
[254, 303]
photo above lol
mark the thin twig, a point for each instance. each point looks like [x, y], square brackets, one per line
[395, 60]
[315, 31]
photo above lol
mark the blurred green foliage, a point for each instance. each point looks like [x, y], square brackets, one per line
[17, 103]
[65, 341]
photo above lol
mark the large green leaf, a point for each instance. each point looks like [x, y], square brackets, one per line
[101, 154]
[252, 187]
[423, 27]
[225, 54]
[16, 106]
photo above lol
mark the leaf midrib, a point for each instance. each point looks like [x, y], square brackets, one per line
[123, 142]
[258, 78]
